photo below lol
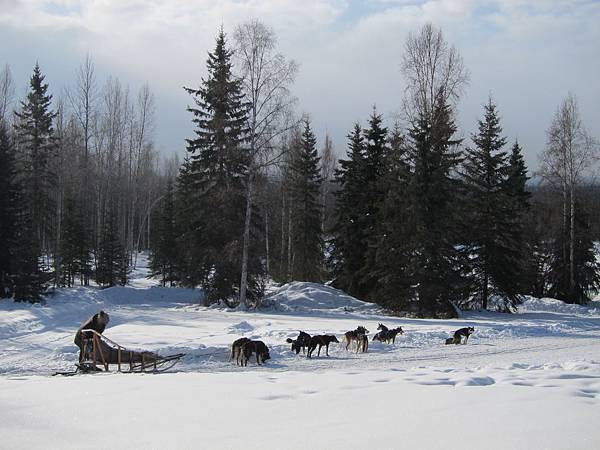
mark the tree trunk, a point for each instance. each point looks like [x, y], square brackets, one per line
[282, 260]
[246, 243]
[58, 254]
[289, 249]
[267, 240]
[484, 292]
[565, 222]
[572, 247]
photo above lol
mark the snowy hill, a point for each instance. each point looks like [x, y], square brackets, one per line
[314, 297]
[537, 372]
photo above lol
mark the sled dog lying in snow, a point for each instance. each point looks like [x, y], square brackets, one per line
[355, 335]
[301, 342]
[459, 334]
[321, 341]
[386, 335]
[236, 349]
[258, 348]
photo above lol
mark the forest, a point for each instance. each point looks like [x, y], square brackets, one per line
[414, 217]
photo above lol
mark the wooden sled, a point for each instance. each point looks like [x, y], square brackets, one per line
[100, 350]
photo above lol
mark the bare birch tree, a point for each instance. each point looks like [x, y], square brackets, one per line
[267, 77]
[434, 72]
[328, 167]
[7, 92]
[569, 155]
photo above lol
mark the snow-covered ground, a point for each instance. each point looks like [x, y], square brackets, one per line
[529, 380]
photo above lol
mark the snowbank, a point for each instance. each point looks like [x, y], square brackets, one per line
[313, 297]
[533, 304]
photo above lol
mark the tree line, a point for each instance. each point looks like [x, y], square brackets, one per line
[79, 175]
[414, 217]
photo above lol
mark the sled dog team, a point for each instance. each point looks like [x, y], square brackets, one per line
[242, 349]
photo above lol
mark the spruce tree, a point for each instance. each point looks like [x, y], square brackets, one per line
[519, 205]
[164, 243]
[112, 263]
[307, 239]
[349, 242]
[495, 258]
[20, 275]
[189, 261]
[218, 164]
[434, 269]
[8, 211]
[28, 279]
[392, 238]
[75, 248]
[375, 170]
[37, 145]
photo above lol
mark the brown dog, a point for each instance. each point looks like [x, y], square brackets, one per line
[236, 349]
[355, 335]
[321, 341]
[257, 347]
[363, 344]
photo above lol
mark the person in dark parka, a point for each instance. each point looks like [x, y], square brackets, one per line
[97, 323]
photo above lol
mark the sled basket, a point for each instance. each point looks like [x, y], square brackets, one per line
[100, 350]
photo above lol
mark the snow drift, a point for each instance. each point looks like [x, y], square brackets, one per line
[314, 297]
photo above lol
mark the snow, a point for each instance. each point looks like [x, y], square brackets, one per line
[527, 380]
[311, 297]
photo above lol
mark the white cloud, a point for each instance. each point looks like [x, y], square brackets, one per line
[528, 53]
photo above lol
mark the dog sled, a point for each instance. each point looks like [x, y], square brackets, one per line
[99, 353]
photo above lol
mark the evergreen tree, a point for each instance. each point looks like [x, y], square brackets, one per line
[495, 258]
[375, 170]
[75, 248]
[188, 262]
[516, 182]
[519, 200]
[349, 242]
[8, 211]
[587, 269]
[28, 279]
[20, 273]
[37, 145]
[434, 270]
[393, 225]
[165, 250]
[112, 262]
[218, 165]
[307, 239]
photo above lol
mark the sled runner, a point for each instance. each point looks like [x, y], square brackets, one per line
[99, 351]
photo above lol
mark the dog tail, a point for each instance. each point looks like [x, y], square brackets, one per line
[289, 340]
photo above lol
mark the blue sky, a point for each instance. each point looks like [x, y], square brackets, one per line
[528, 55]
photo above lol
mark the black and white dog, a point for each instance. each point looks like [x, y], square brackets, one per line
[459, 334]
